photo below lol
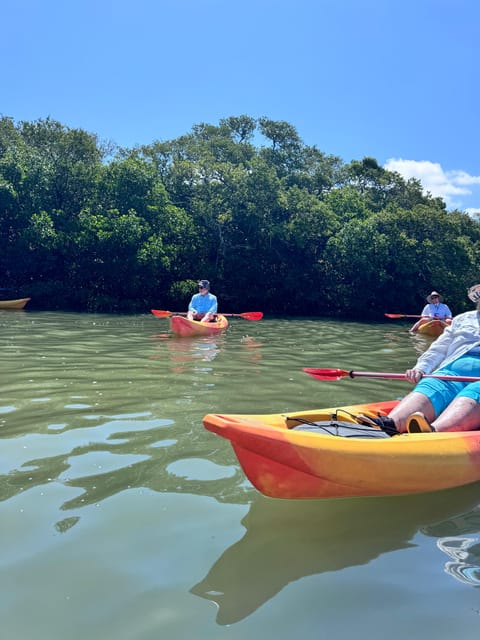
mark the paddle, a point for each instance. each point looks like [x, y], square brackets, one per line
[337, 374]
[248, 315]
[404, 315]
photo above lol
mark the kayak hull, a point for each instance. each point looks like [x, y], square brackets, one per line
[182, 326]
[432, 328]
[282, 462]
[14, 304]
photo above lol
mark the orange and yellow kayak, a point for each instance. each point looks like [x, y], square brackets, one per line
[14, 304]
[184, 327]
[289, 456]
[432, 328]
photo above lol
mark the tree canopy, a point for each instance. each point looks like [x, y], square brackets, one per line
[273, 223]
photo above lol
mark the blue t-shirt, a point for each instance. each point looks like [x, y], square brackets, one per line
[203, 303]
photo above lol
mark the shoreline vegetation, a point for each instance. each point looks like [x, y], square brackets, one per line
[273, 223]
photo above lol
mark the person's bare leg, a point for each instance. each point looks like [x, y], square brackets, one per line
[463, 414]
[414, 401]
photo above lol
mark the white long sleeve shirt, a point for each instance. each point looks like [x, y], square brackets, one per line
[456, 340]
[437, 310]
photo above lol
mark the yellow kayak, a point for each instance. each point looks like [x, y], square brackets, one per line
[432, 328]
[14, 304]
[290, 456]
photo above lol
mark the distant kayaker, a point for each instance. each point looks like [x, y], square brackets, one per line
[444, 405]
[203, 305]
[435, 309]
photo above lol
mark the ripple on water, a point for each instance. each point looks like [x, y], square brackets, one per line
[96, 463]
[164, 443]
[7, 409]
[198, 469]
[77, 406]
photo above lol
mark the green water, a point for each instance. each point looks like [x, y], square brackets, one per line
[122, 518]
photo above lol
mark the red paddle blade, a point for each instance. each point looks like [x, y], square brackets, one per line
[252, 315]
[159, 313]
[326, 374]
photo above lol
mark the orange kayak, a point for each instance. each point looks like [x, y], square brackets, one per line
[14, 304]
[290, 456]
[184, 327]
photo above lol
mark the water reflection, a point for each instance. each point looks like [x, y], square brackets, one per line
[183, 351]
[466, 559]
[287, 540]
[420, 342]
[120, 453]
[464, 551]
[99, 404]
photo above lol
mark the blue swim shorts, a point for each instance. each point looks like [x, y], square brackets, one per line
[442, 392]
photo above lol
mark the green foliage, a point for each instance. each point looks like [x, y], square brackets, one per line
[180, 293]
[275, 224]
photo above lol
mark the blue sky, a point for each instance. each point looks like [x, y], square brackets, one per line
[397, 80]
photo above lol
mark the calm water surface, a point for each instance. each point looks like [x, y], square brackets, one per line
[122, 518]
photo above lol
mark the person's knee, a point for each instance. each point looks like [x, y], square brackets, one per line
[472, 391]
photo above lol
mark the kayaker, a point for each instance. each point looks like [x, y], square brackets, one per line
[203, 305]
[435, 309]
[444, 405]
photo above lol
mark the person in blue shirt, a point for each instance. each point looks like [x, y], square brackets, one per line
[203, 305]
[434, 310]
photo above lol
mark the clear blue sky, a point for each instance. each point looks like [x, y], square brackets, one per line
[397, 80]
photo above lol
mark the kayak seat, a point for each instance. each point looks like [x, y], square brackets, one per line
[212, 319]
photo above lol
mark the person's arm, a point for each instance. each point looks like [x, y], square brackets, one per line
[192, 312]
[436, 353]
